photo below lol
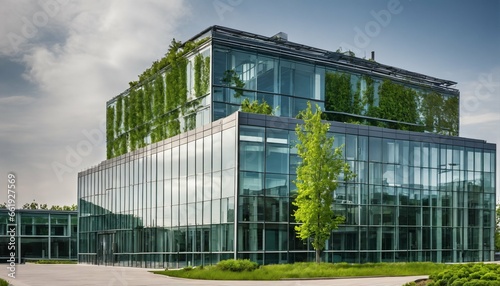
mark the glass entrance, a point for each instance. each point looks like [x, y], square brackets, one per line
[105, 246]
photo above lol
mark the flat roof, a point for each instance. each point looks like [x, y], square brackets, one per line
[281, 45]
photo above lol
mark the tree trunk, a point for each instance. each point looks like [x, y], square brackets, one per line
[318, 255]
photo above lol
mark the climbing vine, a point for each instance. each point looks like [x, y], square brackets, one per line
[338, 95]
[398, 103]
[118, 115]
[110, 114]
[429, 111]
[156, 101]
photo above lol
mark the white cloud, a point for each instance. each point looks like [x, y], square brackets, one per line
[99, 47]
[472, 119]
[16, 100]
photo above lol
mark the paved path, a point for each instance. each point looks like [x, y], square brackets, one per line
[83, 275]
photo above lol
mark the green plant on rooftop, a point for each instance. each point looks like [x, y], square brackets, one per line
[256, 107]
[414, 109]
[153, 104]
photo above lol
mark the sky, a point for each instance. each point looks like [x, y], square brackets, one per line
[61, 60]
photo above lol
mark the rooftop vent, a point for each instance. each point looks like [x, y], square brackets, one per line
[282, 37]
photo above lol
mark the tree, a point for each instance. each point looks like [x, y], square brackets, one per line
[34, 206]
[317, 179]
[256, 107]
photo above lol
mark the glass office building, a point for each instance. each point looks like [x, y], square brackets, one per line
[40, 235]
[196, 181]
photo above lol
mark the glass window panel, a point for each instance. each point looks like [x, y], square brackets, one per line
[276, 209]
[244, 64]
[339, 139]
[252, 156]
[376, 173]
[298, 105]
[207, 187]
[191, 189]
[267, 74]
[487, 162]
[276, 185]
[199, 188]
[216, 211]
[183, 160]
[389, 151]
[478, 159]
[228, 183]
[207, 154]
[251, 183]
[304, 80]
[229, 147]
[167, 164]
[207, 212]
[220, 63]
[277, 158]
[286, 77]
[251, 209]
[175, 191]
[319, 84]
[284, 106]
[216, 185]
[434, 156]
[175, 162]
[183, 190]
[167, 186]
[470, 160]
[388, 176]
[199, 156]
[362, 148]
[276, 237]
[175, 215]
[191, 158]
[251, 236]
[216, 151]
[351, 147]
[375, 149]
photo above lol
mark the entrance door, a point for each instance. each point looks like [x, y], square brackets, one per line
[105, 243]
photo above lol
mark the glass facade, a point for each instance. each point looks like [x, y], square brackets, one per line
[167, 205]
[225, 190]
[221, 186]
[41, 235]
[416, 197]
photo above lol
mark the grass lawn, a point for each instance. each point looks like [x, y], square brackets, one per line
[309, 270]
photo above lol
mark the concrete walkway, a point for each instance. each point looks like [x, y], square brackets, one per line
[83, 275]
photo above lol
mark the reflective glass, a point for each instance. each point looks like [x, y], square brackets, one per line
[216, 151]
[229, 147]
[251, 183]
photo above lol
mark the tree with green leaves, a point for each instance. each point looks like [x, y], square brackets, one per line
[317, 179]
[256, 107]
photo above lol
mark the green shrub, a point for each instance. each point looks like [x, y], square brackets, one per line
[468, 275]
[187, 268]
[237, 265]
[3, 282]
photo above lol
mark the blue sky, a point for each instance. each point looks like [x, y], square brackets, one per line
[60, 61]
